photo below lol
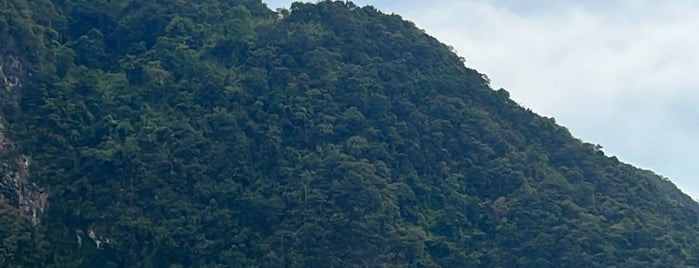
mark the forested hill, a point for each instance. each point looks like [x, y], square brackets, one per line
[170, 133]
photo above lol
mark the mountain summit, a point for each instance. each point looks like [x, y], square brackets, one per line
[223, 134]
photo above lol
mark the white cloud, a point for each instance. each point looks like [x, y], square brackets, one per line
[622, 77]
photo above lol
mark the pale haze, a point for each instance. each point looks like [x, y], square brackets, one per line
[622, 74]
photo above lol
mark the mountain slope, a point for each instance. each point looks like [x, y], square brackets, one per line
[222, 134]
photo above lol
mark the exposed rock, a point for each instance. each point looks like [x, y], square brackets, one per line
[100, 241]
[15, 186]
[30, 199]
[11, 71]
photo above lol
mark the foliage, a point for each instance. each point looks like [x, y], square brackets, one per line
[222, 134]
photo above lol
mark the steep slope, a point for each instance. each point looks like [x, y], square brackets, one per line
[222, 134]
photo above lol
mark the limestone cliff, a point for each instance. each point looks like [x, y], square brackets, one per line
[16, 188]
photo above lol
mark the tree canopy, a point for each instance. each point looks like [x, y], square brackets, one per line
[223, 134]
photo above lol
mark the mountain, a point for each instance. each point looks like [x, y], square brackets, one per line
[210, 133]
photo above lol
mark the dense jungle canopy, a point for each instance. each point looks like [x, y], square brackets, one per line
[171, 133]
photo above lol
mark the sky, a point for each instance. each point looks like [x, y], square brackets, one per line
[621, 74]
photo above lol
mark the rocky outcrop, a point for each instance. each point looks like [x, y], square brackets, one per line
[16, 187]
[99, 240]
[11, 69]
[30, 200]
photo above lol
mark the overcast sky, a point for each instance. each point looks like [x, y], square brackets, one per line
[622, 74]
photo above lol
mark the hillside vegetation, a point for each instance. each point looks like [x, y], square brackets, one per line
[208, 133]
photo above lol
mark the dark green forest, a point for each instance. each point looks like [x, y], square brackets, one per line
[172, 133]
